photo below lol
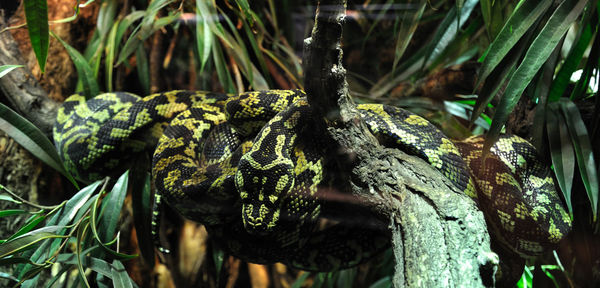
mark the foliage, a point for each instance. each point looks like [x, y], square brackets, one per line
[525, 49]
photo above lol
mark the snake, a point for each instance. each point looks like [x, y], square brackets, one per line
[248, 167]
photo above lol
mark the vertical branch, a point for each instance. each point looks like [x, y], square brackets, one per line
[432, 245]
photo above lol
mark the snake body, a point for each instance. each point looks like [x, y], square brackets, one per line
[217, 156]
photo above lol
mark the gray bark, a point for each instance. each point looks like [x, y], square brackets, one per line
[439, 236]
[21, 89]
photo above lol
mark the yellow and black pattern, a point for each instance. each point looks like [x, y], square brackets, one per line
[244, 166]
[517, 194]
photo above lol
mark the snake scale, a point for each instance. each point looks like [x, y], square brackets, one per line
[243, 166]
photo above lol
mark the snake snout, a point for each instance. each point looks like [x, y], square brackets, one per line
[259, 219]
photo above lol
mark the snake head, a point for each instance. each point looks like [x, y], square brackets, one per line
[262, 186]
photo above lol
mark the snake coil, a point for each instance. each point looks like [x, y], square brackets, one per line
[217, 156]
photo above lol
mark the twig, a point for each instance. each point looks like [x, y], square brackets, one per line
[34, 205]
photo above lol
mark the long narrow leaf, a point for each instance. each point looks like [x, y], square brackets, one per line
[25, 242]
[408, 25]
[32, 139]
[536, 55]
[563, 78]
[119, 275]
[5, 69]
[84, 71]
[519, 22]
[36, 14]
[204, 37]
[111, 208]
[561, 150]
[448, 30]
[583, 151]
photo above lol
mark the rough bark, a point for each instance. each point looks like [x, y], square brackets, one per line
[439, 236]
[22, 90]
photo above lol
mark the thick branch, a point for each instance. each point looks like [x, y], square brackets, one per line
[438, 234]
[21, 89]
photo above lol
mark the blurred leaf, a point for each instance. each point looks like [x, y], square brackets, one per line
[32, 139]
[106, 16]
[520, 21]
[4, 213]
[146, 28]
[221, 67]
[119, 275]
[110, 52]
[4, 197]
[570, 64]
[492, 17]
[36, 14]
[583, 151]
[5, 69]
[408, 25]
[204, 37]
[300, 280]
[447, 31]
[141, 203]
[582, 85]
[561, 150]
[385, 282]
[536, 55]
[84, 71]
[143, 68]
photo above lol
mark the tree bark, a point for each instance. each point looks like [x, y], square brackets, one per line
[439, 236]
[21, 89]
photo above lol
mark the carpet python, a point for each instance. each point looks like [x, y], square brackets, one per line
[243, 166]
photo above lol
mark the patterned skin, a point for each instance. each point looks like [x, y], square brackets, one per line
[219, 156]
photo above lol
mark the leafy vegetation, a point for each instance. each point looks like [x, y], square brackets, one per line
[530, 53]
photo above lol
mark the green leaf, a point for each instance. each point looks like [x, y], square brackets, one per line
[521, 20]
[119, 275]
[81, 229]
[143, 68]
[5, 69]
[111, 208]
[36, 14]
[583, 151]
[537, 54]
[204, 37]
[221, 67]
[4, 213]
[561, 150]
[97, 265]
[84, 71]
[29, 225]
[25, 242]
[4, 197]
[408, 25]
[65, 215]
[385, 282]
[141, 203]
[110, 52]
[499, 76]
[32, 139]
[447, 31]
[563, 78]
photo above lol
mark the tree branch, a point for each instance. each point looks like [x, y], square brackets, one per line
[439, 235]
[21, 88]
